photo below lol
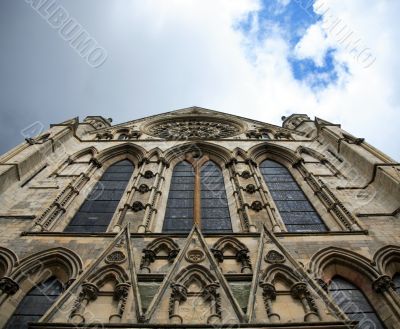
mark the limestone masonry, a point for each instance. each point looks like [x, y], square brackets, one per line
[199, 219]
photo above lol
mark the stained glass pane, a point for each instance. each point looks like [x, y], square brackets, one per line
[179, 212]
[296, 211]
[353, 302]
[96, 212]
[214, 204]
[35, 304]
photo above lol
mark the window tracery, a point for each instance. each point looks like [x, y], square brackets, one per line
[197, 195]
[35, 303]
[97, 210]
[354, 303]
[296, 211]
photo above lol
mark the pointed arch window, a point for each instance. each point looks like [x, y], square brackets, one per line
[197, 195]
[32, 307]
[354, 303]
[99, 207]
[296, 211]
[179, 214]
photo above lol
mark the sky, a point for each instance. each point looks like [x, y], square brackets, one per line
[261, 59]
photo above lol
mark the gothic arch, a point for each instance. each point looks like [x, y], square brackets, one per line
[106, 273]
[65, 264]
[387, 260]
[162, 243]
[154, 248]
[280, 271]
[216, 153]
[156, 153]
[120, 152]
[227, 242]
[195, 271]
[92, 151]
[303, 149]
[238, 153]
[240, 253]
[332, 261]
[8, 260]
[356, 269]
[274, 152]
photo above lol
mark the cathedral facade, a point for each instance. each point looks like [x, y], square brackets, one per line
[199, 219]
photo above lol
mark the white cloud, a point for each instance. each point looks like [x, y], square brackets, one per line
[168, 55]
[191, 54]
[313, 45]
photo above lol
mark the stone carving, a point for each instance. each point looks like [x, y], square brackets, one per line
[116, 257]
[148, 174]
[383, 283]
[256, 206]
[143, 188]
[245, 174]
[274, 257]
[300, 291]
[137, 206]
[88, 293]
[8, 286]
[250, 188]
[195, 256]
[120, 295]
[193, 128]
[269, 295]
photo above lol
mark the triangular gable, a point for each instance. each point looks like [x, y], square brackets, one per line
[116, 262]
[275, 263]
[195, 290]
[193, 110]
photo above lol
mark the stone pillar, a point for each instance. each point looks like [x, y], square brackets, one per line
[244, 259]
[269, 295]
[120, 295]
[148, 258]
[299, 291]
[88, 293]
[178, 295]
[210, 293]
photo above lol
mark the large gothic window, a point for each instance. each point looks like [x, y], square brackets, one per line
[96, 212]
[197, 195]
[35, 304]
[296, 211]
[214, 204]
[353, 302]
[179, 214]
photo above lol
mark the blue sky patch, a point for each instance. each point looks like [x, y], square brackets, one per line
[291, 19]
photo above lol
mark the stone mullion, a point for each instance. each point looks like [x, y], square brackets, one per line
[120, 295]
[89, 293]
[277, 225]
[330, 201]
[151, 211]
[131, 193]
[48, 219]
[238, 194]
[300, 291]
[269, 295]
